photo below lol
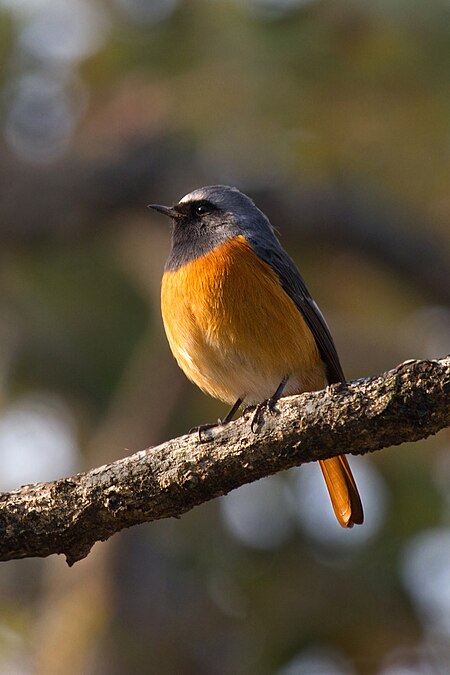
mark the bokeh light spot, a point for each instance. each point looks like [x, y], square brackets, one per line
[310, 502]
[256, 514]
[37, 441]
[425, 571]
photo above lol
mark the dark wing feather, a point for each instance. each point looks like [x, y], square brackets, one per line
[273, 254]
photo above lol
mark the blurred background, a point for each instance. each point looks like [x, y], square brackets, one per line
[335, 117]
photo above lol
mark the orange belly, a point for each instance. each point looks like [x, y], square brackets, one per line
[233, 329]
[236, 333]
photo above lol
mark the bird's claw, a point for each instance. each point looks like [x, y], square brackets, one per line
[205, 427]
[268, 406]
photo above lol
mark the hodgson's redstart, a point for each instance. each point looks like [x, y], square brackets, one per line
[240, 320]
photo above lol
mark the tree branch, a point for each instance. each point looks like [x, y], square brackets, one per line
[69, 515]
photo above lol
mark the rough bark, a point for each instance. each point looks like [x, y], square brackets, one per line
[69, 515]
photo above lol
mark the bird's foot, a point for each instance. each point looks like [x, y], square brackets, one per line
[205, 427]
[220, 423]
[258, 418]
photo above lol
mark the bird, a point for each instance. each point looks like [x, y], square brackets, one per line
[240, 320]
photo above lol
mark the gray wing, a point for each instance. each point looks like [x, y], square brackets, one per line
[273, 254]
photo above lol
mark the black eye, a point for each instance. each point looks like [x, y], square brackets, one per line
[201, 209]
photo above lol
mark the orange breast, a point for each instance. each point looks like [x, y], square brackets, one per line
[233, 329]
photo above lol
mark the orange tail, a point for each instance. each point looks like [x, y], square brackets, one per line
[343, 491]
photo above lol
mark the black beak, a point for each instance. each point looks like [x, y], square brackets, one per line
[166, 210]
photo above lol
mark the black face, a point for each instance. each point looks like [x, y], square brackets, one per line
[198, 227]
[210, 216]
